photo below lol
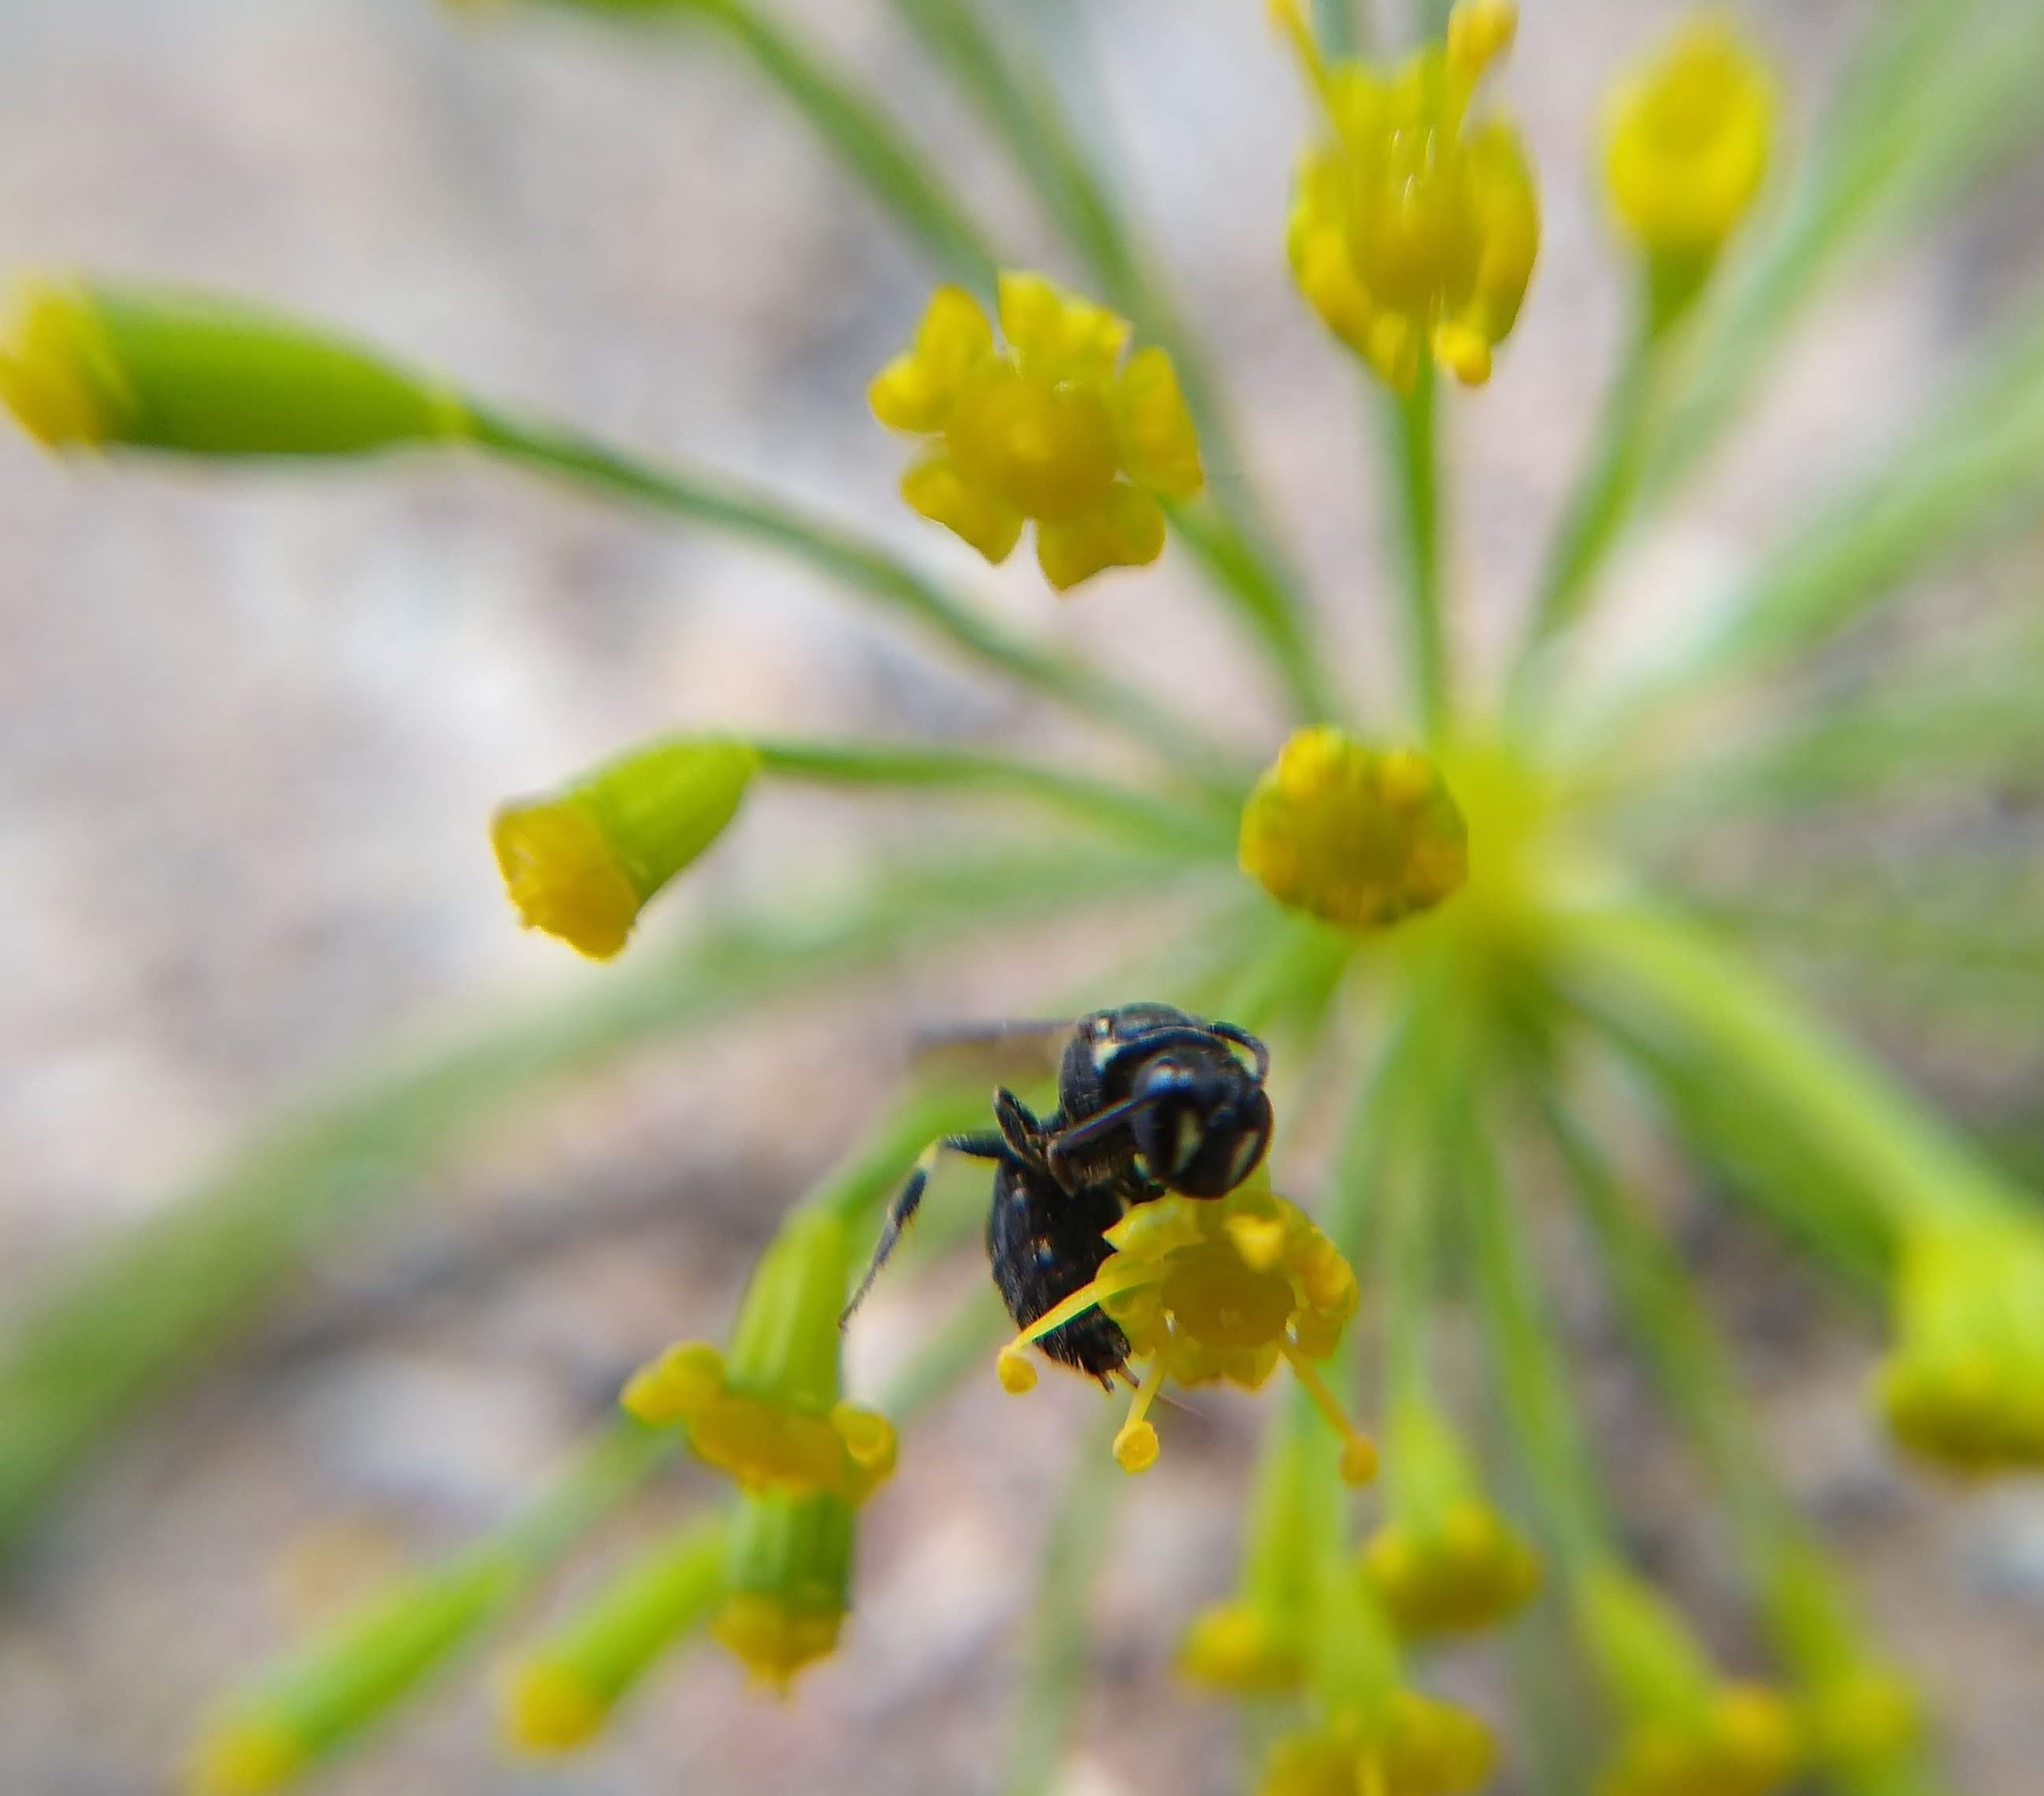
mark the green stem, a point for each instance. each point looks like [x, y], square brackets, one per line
[866, 568]
[1525, 1359]
[1123, 810]
[1869, 1154]
[1417, 475]
[1595, 511]
[1057, 1665]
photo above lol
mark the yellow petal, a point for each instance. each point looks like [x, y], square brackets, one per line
[1159, 448]
[1056, 334]
[1127, 532]
[941, 494]
[915, 391]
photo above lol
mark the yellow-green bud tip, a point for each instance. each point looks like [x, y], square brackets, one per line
[773, 1640]
[57, 375]
[549, 1708]
[248, 1757]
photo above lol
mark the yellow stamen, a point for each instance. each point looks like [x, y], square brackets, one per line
[1135, 1445]
[1358, 1458]
[1110, 1281]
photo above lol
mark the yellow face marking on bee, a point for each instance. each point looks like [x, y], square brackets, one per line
[1191, 1133]
[1245, 1157]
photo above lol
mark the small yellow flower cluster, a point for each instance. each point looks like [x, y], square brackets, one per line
[1215, 1290]
[1358, 836]
[1468, 1571]
[774, 1418]
[581, 863]
[1444, 1562]
[1054, 429]
[1419, 1747]
[1243, 1648]
[1686, 1731]
[1964, 1385]
[763, 1441]
[1686, 139]
[1414, 230]
[1742, 1743]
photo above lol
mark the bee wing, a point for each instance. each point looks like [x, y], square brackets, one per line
[1010, 1051]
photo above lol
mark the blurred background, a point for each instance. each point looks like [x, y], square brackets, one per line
[251, 729]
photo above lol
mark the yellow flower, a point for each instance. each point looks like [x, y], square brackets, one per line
[1242, 1647]
[1446, 1562]
[773, 1417]
[1054, 428]
[788, 1575]
[1211, 1290]
[1686, 139]
[1414, 229]
[1685, 1732]
[1742, 1743]
[581, 863]
[1469, 1571]
[1419, 1747]
[1964, 1385]
[1360, 836]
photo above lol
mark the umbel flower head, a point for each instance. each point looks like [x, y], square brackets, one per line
[1964, 1385]
[1211, 1290]
[1054, 429]
[580, 864]
[772, 1416]
[1358, 836]
[1414, 228]
[1686, 138]
[1446, 1562]
[1416, 1746]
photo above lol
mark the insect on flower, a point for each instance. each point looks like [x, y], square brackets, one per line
[1149, 1100]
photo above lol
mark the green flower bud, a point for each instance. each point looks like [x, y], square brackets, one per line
[787, 1580]
[90, 365]
[581, 863]
[563, 1691]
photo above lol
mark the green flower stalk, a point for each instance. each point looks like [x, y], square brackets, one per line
[581, 863]
[787, 1583]
[772, 1415]
[564, 1689]
[96, 365]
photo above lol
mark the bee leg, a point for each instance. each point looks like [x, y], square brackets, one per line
[1023, 1131]
[982, 1145]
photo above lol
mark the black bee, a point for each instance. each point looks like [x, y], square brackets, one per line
[1149, 1100]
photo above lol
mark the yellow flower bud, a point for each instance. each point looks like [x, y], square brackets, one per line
[93, 366]
[1414, 229]
[789, 1574]
[773, 1417]
[581, 863]
[1964, 1385]
[1684, 1732]
[1054, 429]
[1358, 836]
[1417, 1747]
[1686, 139]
